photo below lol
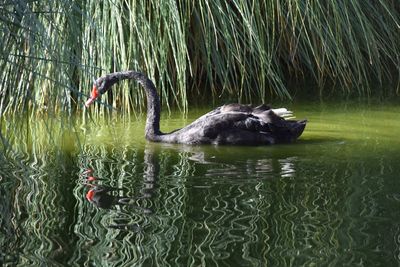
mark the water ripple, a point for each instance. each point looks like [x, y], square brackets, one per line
[161, 205]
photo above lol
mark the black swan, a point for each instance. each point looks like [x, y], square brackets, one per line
[231, 124]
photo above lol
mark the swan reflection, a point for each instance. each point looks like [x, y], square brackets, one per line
[138, 194]
[288, 167]
[107, 197]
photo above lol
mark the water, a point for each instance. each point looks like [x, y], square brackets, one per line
[112, 199]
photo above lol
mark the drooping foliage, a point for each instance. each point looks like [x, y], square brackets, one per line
[242, 50]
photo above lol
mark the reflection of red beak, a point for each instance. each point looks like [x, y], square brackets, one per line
[90, 194]
[93, 96]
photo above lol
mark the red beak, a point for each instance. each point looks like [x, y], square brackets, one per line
[93, 96]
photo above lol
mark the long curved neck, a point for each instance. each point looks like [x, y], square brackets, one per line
[152, 130]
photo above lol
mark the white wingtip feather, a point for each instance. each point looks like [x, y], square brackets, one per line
[283, 112]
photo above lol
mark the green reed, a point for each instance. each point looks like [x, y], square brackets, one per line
[245, 51]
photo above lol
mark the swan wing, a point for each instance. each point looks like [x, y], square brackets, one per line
[233, 127]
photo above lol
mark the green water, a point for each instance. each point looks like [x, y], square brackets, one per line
[331, 199]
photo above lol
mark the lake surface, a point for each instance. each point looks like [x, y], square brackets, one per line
[98, 194]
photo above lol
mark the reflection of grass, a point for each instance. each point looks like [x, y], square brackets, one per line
[358, 124]
[308, 203]
[36, 176]
[39, 136]
[244, 50]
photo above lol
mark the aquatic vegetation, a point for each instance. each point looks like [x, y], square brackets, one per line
[246, 51]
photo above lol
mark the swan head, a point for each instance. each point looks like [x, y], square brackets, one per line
[100, 86]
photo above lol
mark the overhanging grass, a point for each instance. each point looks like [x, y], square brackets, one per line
[242, 50]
